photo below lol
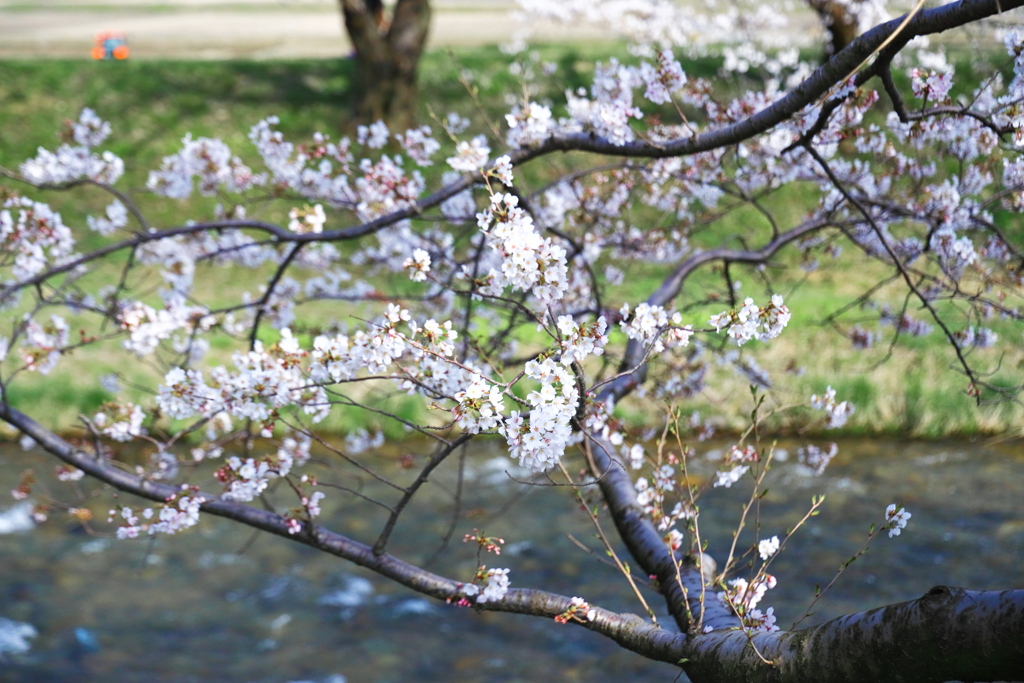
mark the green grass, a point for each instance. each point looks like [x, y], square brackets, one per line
[152, 104]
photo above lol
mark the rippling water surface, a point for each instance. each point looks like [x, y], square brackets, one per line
[221, 604]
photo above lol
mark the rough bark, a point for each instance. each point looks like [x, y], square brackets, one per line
[387, 56]
[947, 634]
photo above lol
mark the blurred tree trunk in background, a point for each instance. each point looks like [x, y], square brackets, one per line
[840, 18]
[387, 56]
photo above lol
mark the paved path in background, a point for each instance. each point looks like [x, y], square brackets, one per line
[220, 29]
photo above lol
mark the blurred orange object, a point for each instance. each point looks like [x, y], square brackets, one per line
[110, 45]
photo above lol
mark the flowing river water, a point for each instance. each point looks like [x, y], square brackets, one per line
[218, 604]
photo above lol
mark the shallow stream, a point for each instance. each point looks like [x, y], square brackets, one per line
[221, 605]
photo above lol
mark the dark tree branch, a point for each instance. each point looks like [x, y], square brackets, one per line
[439, 457]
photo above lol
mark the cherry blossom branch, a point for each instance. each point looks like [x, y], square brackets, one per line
[282, 235]
[71, 184]
[838, 184]
[817, 85]
[949, 110]
[628, 630]
[681, 588]
[261, 305]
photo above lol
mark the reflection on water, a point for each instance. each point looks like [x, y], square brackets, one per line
[219, 604]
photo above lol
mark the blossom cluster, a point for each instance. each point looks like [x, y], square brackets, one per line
[815, 458]
[755, 620]
[419, 144]
[245, 479]
[905, 323]
[178, 513]
[539, 441]
[336, 358]
[502, 170]
[114, 217]
[120, 421]
[207, 160]
[752, 322]
[528, 124]
[42, 345]
[648, 323]
[312, 503]
[651, 495]
[896, 518]
[732, 468]
[361, 440]
[529, 262]
[954, 253]
[36, 238]
[76, 162]
[663, 79]
[579, 609]
[977, 337]
[385, 186]
[307, 220]
[322, 171]
[494, 589]
[610, 109]
[579, 341]
[480, 407]
[147, 326]
[931, 85]
[743, 597]
[265, 381]
[471, 156]
[838, 411]
[418, 265]
[767, 547]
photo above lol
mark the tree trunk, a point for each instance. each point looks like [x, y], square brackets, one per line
[387, 56]
[840, 19]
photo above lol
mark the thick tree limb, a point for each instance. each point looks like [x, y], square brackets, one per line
[947, 634]
[679, 580]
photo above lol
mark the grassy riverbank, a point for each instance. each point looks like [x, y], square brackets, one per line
[907, 389]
